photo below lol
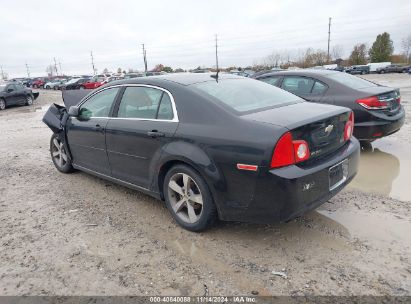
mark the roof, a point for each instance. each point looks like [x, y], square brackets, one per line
[302, 72]
[180, 78]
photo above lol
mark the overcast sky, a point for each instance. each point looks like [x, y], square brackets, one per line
[180, 33]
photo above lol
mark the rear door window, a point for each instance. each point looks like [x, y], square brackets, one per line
[319, 88]
[298, 85]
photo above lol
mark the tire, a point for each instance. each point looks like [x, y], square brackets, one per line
[363, 73]
[29, 100]
[2, 104]
[57, 153]
[81, 88]
[382, 72]
[189, 199]
[47, 87]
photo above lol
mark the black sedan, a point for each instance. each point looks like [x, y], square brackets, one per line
[378, 111]
[231, 148]
[73, 84]
[14, 93]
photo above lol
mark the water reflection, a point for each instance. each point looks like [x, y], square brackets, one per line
[377, 171]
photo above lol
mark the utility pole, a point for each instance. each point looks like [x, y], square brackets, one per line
[329, 35]
[55, 66]
[2, 73]
[216, 52]
[92, 63]
[28, 70]
[61, 73]
[145, 58]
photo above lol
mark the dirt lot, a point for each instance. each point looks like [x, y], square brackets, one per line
[79, 235]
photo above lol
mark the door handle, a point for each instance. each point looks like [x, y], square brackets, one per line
[155, 133]
[99, 128]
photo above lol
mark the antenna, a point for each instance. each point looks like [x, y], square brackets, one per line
[216, 58]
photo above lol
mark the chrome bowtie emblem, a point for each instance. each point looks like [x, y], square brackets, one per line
[329, 129]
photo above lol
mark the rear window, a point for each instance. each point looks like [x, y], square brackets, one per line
[351, 81]
[246, 95]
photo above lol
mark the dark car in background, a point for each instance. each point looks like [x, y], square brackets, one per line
[14, 93]
[394, 68]
[73, 84]
[232, 147]
[378, 111]
[358, 69]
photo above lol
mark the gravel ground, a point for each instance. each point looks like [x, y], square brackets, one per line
[79, 235]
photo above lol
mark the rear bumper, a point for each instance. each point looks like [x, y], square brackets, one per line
[285, 193]
[372, 130]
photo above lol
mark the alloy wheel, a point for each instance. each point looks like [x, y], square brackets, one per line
[29, 100]
[2, 104]
[185, 197]
[59, 153]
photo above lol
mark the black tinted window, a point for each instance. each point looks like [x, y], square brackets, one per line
[165, 110]
[99, 105]
[298, 85]
[139, 102]
[319, 88]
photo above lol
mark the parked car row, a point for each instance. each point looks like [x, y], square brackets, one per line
[377, 109]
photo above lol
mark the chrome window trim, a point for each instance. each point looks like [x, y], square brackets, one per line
[173, 104]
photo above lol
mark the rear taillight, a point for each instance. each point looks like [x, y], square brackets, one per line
[372, 103]
[349, 127]
[288, 151]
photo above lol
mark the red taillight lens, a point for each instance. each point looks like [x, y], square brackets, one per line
[288, 151]
[372, 103]
[349, 127]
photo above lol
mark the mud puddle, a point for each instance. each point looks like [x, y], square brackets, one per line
[386, 169]
[379, 229]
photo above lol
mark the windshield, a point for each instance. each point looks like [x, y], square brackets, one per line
[351, 81]
[244, 95]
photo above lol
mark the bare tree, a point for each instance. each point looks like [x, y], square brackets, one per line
[50, 70]
[406, 46]
[358, 54]
[337, 51]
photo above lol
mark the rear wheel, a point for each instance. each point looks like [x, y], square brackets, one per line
[29, 100]
[189, 199]
[2, 104]
[382, 72]
[59, 155]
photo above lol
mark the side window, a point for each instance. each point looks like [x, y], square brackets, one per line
[165, 110]
[273, 80]
[139, 102]
[11, 87]
[99, 105]
[319, 88]
[298, 85]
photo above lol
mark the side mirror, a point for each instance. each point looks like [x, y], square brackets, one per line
[9, 90]
[73, 111]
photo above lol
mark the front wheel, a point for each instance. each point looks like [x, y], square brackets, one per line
[189, 199]
[59, 155]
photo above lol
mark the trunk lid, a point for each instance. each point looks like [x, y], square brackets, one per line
[321, 126]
